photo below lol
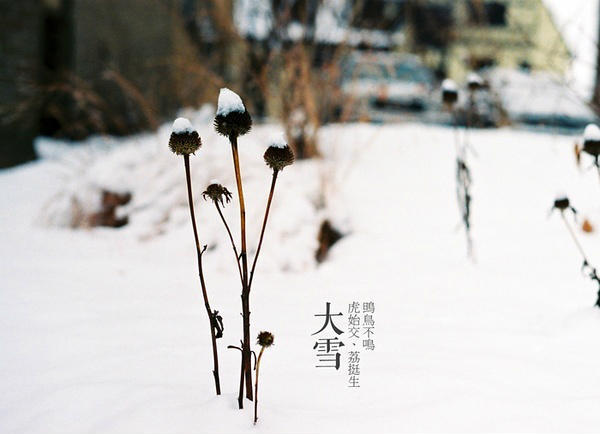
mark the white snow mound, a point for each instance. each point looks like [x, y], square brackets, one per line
[449, 85]
[182, 125]
[591, 132]
[229, 101]
[474, 78]
[278, 141]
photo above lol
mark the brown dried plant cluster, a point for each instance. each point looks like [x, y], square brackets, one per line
[231, 122]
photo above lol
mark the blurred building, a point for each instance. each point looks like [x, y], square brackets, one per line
[453, 36]
[71, 68]
[504, 33]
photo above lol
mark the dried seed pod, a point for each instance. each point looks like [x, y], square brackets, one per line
[449, 92]
[217, 193]
[474, 81]
[562, 203]
[232, 118]
[265, 339]
[184, 138]
[278, 154]
[591, 140]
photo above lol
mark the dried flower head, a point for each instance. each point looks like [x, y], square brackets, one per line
[184, 138]
[449, 92]
[591, 140]
[474, 81]
[217, 193]
[232, 118]
[278, 154]
[265, 339]
[562, 203]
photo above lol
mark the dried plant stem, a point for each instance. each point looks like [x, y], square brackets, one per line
[256, 385]
[200, 251]
[264, 225]
[463, 181]
[246, 371]
[592, 272]
[235, 251]
[562, 214]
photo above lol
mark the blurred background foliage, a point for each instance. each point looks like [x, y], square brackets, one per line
[73, 68]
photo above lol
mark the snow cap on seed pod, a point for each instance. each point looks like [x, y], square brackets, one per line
[449, 91]
[232, 118]
[591, 140]
[561, 202]
[217, 193]
[474, 81]
[278, 154]
[184, 138]
[265, 339]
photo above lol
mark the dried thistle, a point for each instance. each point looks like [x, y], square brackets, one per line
[184, 138]
[449, 92]
[563, 204]
[474, 81]
[232, 119]
[265, 340]
[591, 141]
[185, 141]
[278, 155]
[217, 193]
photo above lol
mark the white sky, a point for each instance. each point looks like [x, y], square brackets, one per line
[578, 21]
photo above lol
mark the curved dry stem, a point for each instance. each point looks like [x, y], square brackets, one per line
[246, 372]
[235, 251]
[200, 251]
[574, 237]
[264, 225]
[256, 385]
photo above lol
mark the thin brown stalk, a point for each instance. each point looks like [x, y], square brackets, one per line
[256, 385]
[235, 251]
[200, 251]
[246, 372]
[264, 225]
[573, 236]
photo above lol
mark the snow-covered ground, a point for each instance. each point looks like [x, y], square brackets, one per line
[104, 330]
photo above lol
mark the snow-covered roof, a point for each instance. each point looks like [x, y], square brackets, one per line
[228, 102]
[182, 125]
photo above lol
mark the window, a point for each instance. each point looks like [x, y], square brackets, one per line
[492, 13]
[433, 24]
[302, 11]
[378, 14]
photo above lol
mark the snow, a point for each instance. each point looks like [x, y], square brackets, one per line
[182, 125]
[591, 132]
[253, 18]
[538, 94]
[449, 85]
[104, 330]
[229, 101]
[278, 140]
[577, 20]
[474, 78]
